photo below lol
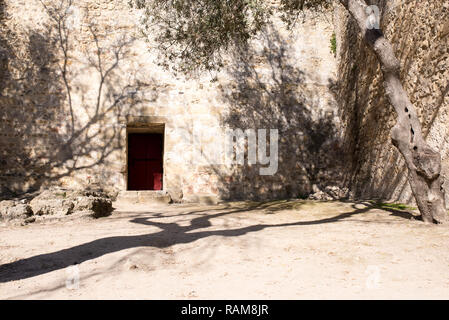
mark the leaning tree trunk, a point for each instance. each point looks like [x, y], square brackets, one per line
[423, 163]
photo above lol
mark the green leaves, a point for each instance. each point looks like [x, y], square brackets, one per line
[333, 45]
[193, 34]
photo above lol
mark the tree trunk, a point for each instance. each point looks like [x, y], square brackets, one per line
[423, 163]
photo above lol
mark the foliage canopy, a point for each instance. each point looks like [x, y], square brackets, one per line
[193, 34]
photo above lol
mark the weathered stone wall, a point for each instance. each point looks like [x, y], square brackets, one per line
[75, 80]
[419, 32]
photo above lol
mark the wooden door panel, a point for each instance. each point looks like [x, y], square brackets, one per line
[145, 169]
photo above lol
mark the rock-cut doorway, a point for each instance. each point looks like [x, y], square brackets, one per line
[145, 161]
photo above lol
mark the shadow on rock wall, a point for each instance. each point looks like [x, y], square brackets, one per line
[378, 170]
[355, 89]
[45, 132]
[268, 91]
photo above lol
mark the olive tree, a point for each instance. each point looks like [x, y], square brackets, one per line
[194, 33]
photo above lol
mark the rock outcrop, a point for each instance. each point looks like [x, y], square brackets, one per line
[57, 204]
[10, 209]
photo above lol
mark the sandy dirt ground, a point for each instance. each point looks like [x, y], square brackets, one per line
[276, 250]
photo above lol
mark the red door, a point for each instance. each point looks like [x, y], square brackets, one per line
[145, 161]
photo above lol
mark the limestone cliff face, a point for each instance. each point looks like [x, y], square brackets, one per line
[76, 80]
[419, 32]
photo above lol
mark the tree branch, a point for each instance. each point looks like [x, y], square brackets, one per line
[424, 164]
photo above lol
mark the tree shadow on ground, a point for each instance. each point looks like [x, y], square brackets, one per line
[170, 234]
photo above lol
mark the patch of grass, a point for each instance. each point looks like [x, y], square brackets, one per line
[334, 44]
[62, 195]
[397, 206]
